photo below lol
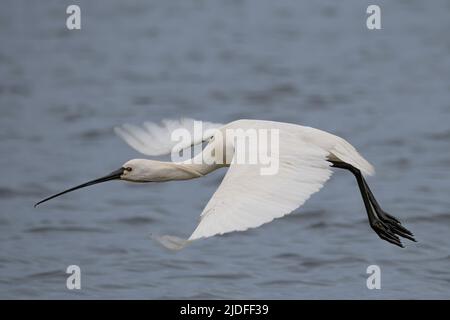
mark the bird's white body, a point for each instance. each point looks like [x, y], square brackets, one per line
[282, 165]
[245, 199]
[279, 168]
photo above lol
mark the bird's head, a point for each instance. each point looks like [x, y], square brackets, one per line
[136, 170]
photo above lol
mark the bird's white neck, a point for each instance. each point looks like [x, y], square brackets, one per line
[158, 171]
[169, 171]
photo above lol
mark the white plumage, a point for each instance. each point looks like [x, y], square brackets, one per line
[153, 139]
[245, 198]
[279, 168]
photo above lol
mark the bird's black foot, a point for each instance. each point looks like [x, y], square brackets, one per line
[382, 220]
[386, 226]
[393, 226]
[385, 232]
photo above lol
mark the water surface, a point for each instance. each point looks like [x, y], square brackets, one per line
[62, 92]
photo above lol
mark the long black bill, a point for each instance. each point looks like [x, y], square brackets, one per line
[112, 176]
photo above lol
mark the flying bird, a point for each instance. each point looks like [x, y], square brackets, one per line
[247, 198]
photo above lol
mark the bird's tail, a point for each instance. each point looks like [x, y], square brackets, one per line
[344, 151]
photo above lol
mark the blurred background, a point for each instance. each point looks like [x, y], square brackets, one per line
[309, 62]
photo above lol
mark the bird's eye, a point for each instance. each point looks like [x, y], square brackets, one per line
[128, 169]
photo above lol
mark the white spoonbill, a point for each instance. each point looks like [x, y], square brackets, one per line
[246, 198]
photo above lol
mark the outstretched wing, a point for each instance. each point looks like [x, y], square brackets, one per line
[156, 139]
[246, 199]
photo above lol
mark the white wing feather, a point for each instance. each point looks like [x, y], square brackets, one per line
[246, 199]
[154, 139]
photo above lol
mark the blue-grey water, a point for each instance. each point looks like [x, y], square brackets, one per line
[309, 62]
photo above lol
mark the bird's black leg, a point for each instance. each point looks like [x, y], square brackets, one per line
[386, 226]
[393, 222]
